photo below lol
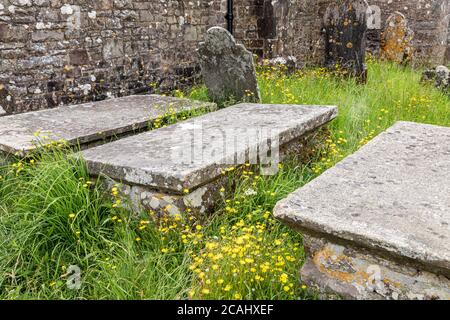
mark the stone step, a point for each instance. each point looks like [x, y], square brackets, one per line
[377, 225]
[91, 122]
[158, 167]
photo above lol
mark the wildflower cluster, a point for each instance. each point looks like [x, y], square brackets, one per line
[168, 117]
[175, 233]
[118, 211]
[43, 139]
[333, 151]
[246, 261]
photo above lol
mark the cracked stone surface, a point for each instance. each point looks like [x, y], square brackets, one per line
[89, 122]
[392, 197]
[192, 153]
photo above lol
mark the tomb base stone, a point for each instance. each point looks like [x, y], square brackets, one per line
[342, 270]
[204, 199]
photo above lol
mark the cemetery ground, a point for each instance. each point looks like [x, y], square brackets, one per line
[52, 216]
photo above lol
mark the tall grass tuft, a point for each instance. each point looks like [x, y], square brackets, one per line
[51, 217]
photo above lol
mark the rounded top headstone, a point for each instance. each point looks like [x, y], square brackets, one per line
[218, 39]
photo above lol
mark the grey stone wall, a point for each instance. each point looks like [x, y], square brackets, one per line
[293, 27]
[56, 52]
[429, 21]
[273, 28]
[255, 25]
[298, 24]
[299, 29]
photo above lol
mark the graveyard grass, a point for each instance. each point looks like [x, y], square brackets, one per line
[52, 216]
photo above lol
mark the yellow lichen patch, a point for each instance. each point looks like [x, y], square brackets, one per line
[396, 40]
[326, 257]
[391, 283]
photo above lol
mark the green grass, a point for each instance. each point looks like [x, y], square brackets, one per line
[51, 217]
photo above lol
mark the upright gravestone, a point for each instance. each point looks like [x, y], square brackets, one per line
[227, 67]
[345, 37]
[396, 39]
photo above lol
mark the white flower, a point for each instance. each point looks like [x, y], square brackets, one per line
[250, 192]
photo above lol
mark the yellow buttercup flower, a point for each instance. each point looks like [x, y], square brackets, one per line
[205, 291]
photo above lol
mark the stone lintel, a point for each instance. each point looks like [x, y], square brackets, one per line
[86, 123]
[192, 153]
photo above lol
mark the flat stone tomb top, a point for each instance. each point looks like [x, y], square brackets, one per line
[88, 122]
[194, 152]
[392, 195]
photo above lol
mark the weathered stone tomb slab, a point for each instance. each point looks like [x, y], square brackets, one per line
[377, 225]
[90, 122]
[181, 165]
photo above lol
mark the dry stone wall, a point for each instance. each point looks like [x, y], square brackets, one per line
[428, 19]
[58, 52]
[273, 28]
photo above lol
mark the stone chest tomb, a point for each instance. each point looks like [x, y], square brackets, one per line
[90, 123]
[377, 225]
[182, 166]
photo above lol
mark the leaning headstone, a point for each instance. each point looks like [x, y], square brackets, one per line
[227, 67]
[345, 37]
[396, 39]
